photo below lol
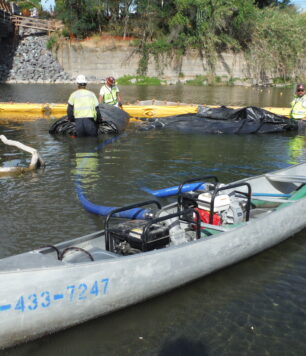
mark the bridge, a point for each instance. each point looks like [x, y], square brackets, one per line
[8, 19]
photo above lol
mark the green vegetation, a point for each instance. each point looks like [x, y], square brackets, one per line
[199, 80]
[231, 81]
[202, 80]
[52, 41]
[269, 32]
[282, 81]
[278, 45]
[25, 4]
[139, 80]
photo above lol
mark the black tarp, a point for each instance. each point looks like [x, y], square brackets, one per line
[225, 120]
[114, 121]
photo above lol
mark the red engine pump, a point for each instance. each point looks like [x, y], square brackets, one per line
[205, 217]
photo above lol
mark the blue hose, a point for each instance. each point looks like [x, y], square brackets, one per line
[137, 213]
[166, 192]
[271, 195]
[103, 210]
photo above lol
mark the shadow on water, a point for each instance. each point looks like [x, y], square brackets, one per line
[183, 347]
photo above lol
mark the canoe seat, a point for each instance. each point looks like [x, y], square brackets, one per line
[258, 212]
[214, 227]
[286, 178]
[100, 254]
[88, 254]
[33, 259]
[274, 200]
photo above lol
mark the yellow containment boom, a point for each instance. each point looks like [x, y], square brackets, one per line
[162, 111]
[28, 111]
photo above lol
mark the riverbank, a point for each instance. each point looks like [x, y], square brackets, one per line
[31, 62]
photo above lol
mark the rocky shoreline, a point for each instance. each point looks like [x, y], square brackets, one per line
[30, 61]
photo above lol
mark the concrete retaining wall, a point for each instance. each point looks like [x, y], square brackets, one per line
[119, 60]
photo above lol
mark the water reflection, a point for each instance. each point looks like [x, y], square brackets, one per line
[297, 149]
[86, 169]
[86, 160]
[223, 95]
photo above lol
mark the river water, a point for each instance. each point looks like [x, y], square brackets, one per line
[256, 307]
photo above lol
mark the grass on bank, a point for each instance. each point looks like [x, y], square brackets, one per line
[201, 80]
[140, 80]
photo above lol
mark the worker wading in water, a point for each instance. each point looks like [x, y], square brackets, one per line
[83, 108]
[109, 93]
[298, 104]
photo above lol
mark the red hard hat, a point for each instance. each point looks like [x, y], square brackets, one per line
[110, 81]
[300, 87]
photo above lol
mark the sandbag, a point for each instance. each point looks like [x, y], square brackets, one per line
[114, 122]
[63, 126]
[114, 116]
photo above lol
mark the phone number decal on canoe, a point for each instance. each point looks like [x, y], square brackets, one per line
[45, 299]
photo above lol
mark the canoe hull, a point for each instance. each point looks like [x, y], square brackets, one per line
[61, 296]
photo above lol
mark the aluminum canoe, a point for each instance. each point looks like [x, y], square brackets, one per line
[41, 293]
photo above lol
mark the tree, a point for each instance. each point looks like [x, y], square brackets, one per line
[25, 4]
[81, 17]
[264, 3]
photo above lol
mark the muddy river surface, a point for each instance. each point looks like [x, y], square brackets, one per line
[256, 307]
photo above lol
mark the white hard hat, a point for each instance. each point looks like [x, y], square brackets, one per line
[80, 79]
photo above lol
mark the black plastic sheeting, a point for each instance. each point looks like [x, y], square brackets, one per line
[224, 120]
[114, 122]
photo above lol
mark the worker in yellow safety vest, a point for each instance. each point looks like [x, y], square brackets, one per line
[83, 109]
[298, 104]
[109, 93]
